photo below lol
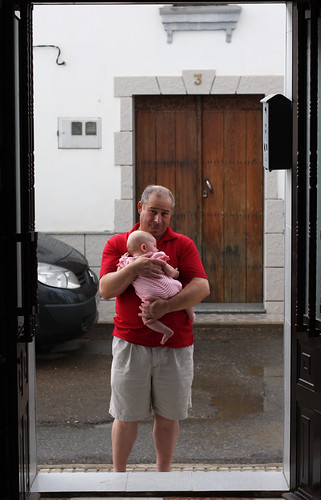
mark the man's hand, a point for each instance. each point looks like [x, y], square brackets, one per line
[193, 293]
[153, 308]
[151, 268]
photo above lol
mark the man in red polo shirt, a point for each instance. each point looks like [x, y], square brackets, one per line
[147, 377]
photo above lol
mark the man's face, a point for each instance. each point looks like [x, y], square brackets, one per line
[155, 215]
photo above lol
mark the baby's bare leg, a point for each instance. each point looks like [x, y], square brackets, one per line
[190, 313]
[158, 326]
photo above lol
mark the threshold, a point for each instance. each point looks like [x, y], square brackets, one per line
[183, 480]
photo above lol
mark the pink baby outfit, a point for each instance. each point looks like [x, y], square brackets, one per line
[163, 287]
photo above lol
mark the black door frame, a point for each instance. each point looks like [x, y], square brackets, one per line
[18, 295]
[13, 313]
[306, 328]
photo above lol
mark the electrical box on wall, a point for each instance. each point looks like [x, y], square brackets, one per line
[79, 133]
[277, 132]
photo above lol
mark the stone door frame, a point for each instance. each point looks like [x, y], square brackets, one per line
[202, 82]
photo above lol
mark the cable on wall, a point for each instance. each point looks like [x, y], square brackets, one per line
[60, 63]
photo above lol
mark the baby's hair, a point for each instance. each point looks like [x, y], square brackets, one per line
[136, 239]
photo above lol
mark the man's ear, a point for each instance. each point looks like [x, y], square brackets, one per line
[139, 206]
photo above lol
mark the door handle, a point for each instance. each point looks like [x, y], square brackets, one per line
[209, 185]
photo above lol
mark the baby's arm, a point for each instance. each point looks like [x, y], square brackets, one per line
[123, 261]
[170, 271]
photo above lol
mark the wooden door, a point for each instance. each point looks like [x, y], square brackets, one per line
[167, 153]
[207, 150]
[232, 246]
[305, 459]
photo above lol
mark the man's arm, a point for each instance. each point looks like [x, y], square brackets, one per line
[193, 293]
[115, 283]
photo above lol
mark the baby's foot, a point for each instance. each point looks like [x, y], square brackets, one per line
[166, 336]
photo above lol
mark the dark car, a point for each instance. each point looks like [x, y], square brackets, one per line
[67, 292]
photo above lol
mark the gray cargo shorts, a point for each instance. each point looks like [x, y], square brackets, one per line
[147, 379]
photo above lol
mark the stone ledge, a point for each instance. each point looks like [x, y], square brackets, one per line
[200, 18]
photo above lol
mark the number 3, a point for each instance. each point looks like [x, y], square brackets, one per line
[198, 77]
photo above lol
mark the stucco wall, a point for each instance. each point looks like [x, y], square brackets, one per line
[76, 189]
[112, 53]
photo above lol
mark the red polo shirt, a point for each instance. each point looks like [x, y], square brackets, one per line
[184, 256]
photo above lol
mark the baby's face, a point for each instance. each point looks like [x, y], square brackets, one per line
[151, 245]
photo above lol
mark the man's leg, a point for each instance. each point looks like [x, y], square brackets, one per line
[123, 436]
[165, 437]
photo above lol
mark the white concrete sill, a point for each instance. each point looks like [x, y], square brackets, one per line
[177, 483]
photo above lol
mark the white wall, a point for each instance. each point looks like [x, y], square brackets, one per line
[76, 189]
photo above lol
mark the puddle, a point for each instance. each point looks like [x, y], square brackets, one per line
[235, 403]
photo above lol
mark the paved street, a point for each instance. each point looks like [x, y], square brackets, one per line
[237, 414]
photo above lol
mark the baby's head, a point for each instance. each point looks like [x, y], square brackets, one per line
[141, 242]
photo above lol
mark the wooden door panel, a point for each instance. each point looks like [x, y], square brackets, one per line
[213, 212]
[170, 124]
[254, 209]
[180, 142]
[165, 149]
[145, 144]
[234, 207]
[187, 189]
[308, 416]
[308, 449]
[233, 215]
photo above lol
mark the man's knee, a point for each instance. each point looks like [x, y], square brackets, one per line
[125, 424]
[164, 421]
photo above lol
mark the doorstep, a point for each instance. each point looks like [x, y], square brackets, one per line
[228, 481]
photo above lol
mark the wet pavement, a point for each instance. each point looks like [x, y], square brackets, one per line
[237, 414]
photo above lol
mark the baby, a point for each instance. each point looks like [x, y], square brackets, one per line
[165, 286]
